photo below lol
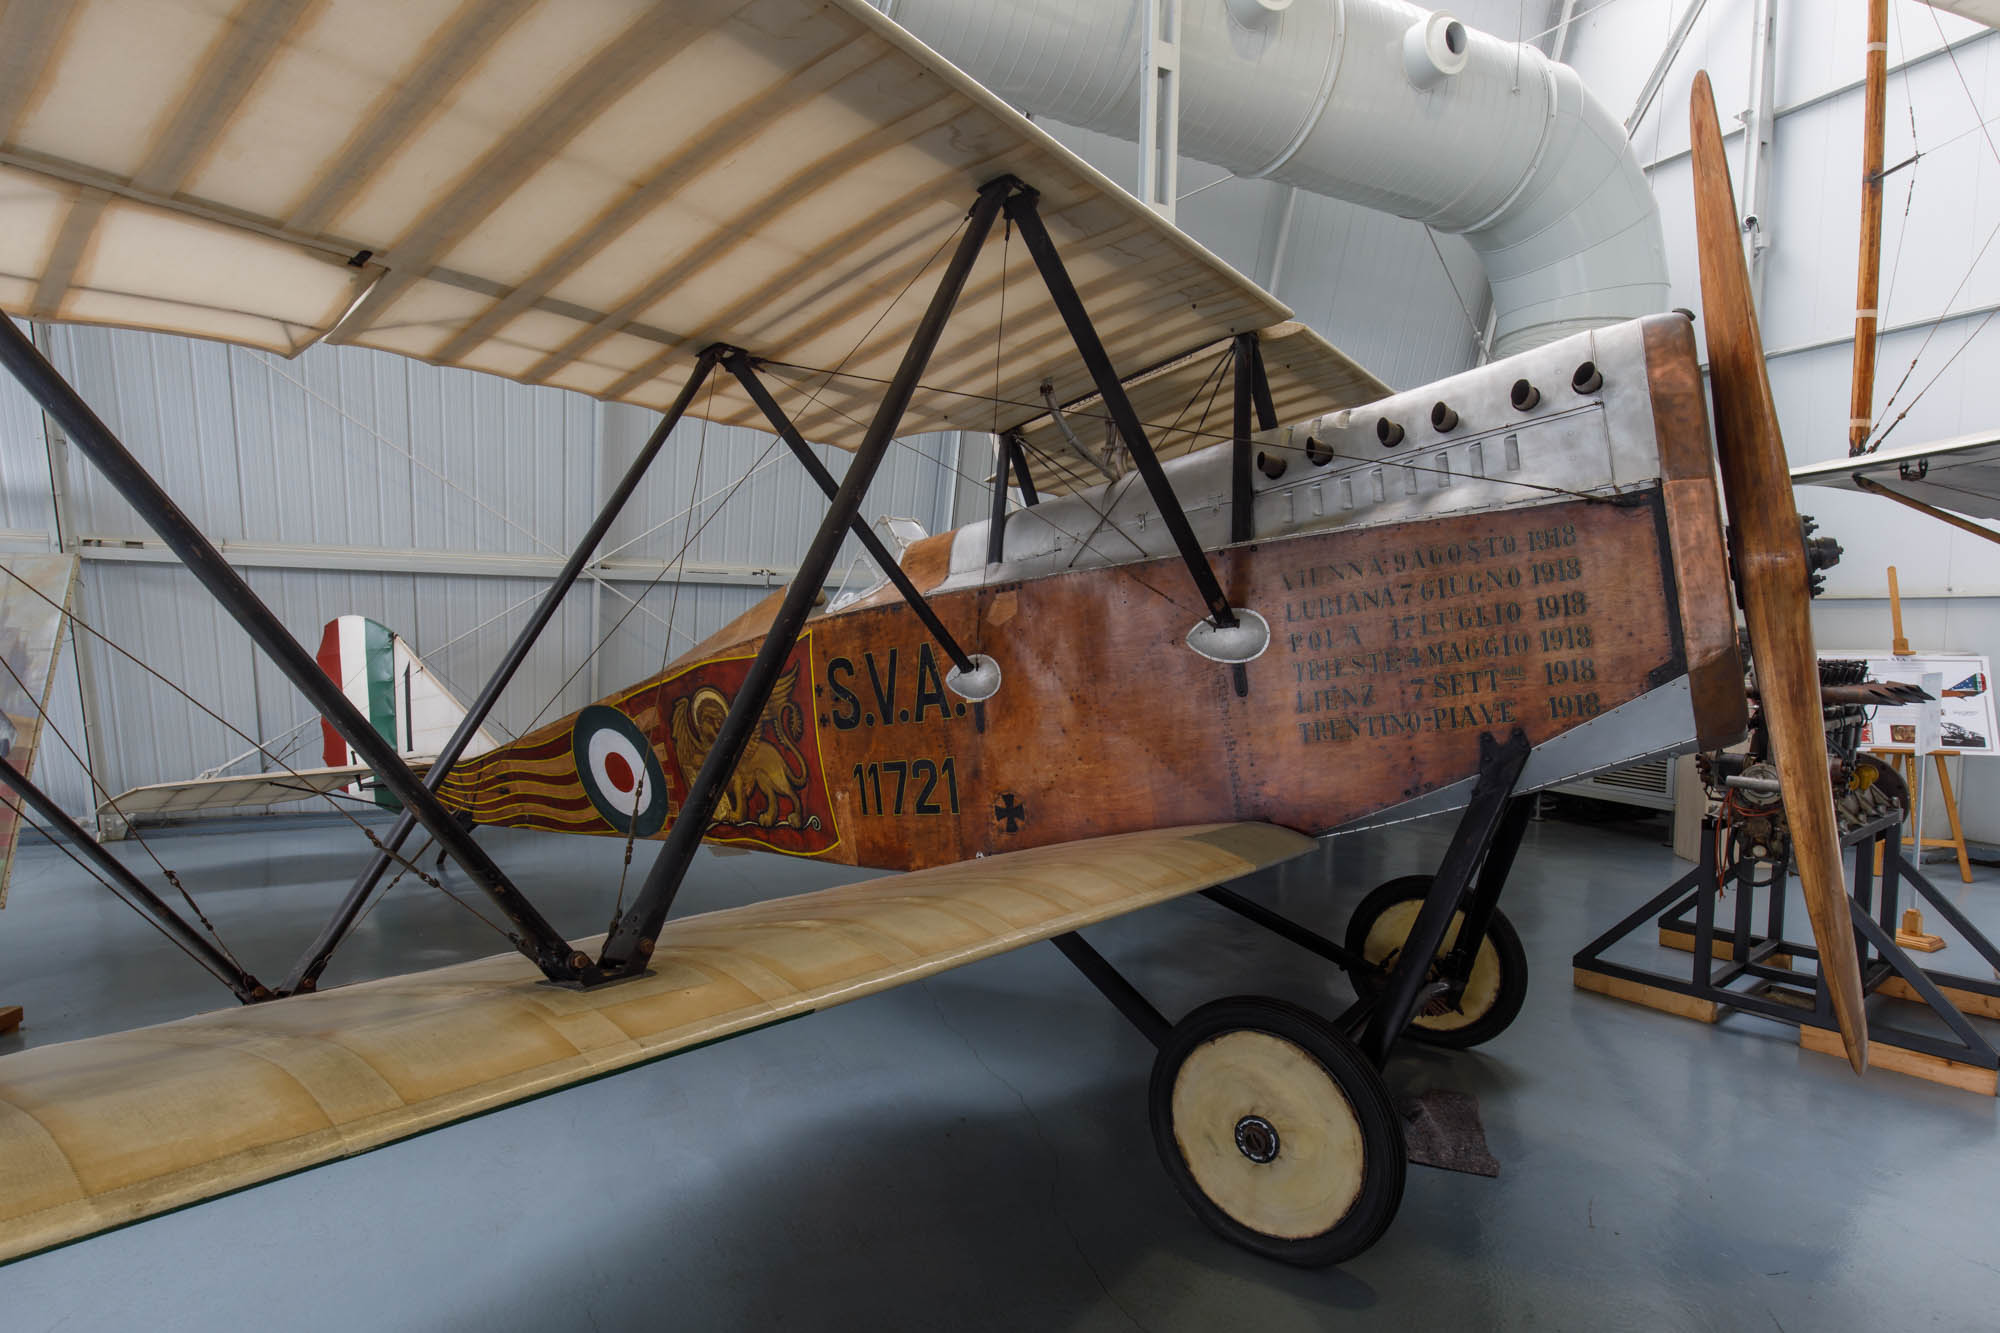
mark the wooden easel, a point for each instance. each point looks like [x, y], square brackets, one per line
[1904, 760]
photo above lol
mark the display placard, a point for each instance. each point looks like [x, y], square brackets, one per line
[1965, 701]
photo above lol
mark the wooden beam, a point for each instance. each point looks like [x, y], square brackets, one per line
[1874, 487]
[1902, 1060]
[1653, 997]
[1720, 947]
[1973, 1003]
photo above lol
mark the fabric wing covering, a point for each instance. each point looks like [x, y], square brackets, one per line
[1961, 474]
[109, 1130]
[1979, 11]
[581, 193]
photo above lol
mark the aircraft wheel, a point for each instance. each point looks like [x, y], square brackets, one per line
[1277, 1131]
[1493, 993]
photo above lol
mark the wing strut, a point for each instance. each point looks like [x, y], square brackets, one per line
[226, 970]
[532, 934]
[1874, 487]
[1022, 211]
[1010, 454]
[1489, 834]
[305, 974]
[1251, 390]
[631, 941]
[737, 362]
[1024, 480]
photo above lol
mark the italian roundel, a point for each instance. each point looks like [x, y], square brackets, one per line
[619, 772]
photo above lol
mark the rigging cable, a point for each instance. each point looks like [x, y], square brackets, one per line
[271, 364]
[1478, 334]
[666, 646]
[109, 799]
[1227, 357]
[1883, 433]
[117, 893]
[730, 492]
[78, 622]
[960, 472]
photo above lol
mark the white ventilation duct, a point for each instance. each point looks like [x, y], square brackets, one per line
[1372, 101]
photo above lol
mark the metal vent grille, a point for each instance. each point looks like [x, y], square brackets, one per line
[1649, 783]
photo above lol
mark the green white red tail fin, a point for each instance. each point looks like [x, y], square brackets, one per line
[404, 700]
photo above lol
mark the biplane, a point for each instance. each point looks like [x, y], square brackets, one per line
[1182, 656]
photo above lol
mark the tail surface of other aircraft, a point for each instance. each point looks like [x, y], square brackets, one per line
[402, 698]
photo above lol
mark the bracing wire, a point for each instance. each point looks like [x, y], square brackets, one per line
[657, 579]
[78, 622]
[272, 365]
[119, 894]
[105, 793]
[960, 472]
[729, 493]
[1883, 431]
[376, 901]
[1478, 334]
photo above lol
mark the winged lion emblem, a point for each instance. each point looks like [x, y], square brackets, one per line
[767, 789]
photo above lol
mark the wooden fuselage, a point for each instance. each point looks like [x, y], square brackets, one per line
[1393, 648]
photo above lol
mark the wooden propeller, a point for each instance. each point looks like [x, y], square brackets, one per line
[1771, 568]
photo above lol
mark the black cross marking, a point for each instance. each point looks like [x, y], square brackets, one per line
[1009, 812]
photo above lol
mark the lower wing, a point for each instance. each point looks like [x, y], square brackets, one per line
[109, 1130]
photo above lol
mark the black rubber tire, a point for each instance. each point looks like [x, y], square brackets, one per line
[1384, 1161]
[1500, 933]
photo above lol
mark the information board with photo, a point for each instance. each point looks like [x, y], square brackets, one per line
[1965, 703]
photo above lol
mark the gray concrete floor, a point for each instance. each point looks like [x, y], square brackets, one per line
[973, 1152]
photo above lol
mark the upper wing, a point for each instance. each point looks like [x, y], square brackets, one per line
[1962, 474]
[582, 193]
[101, 1132]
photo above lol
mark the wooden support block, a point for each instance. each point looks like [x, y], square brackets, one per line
[1910, 935]
[1717, 947]
[1901, 1060]
[1653, 997]
[1969, 1002]
[10, 1017]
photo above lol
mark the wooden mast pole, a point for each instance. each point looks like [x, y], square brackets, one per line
[1866, 321]
[1898, 645]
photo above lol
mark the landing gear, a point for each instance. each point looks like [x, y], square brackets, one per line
[1494, 988]
[1274, 1123]
[1277, 1130]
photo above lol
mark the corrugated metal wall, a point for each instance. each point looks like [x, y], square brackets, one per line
[436, 501]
